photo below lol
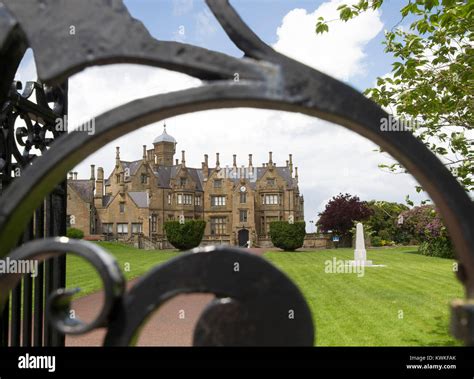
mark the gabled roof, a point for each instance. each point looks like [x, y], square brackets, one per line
[197, 176]
[106, 200]
[84, 188]
[283, 171]
[132, 166]
[164, 174]
[139, 198]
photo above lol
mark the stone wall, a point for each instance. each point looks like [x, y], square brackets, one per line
[79, 212]
[317, 241]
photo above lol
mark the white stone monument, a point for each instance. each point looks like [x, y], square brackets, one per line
[360, 254]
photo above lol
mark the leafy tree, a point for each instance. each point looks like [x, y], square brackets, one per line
[286, 236]
[383, 222]
[185, 236]
[432, 78]
[340, 214]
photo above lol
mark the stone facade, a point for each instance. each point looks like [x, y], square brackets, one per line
[237, 203]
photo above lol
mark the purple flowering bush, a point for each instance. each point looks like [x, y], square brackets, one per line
[426, 227]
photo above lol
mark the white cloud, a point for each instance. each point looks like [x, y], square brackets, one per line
[181, 7]
[330, 158]
[339, 53]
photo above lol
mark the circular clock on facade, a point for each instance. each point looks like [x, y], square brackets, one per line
[243, 189]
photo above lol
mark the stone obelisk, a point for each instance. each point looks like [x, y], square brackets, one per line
[360, 254]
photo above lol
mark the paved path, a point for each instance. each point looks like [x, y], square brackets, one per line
[164, 328]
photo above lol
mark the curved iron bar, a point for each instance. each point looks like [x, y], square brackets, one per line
[119, 39]
[13, 45]
[271, 309]
[58, 304]
[269, 80]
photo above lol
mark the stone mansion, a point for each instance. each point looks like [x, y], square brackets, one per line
[237, 203]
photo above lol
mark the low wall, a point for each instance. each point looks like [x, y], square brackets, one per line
[311, 241]
[215, 241]
[265, 243]
[317, 241]
[94, 237]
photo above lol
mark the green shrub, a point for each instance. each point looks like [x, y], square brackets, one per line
[75, 233]
[376, 241]
[437, 247]
[387, 243]
[185, 236]
[385, 235]
[288, 237]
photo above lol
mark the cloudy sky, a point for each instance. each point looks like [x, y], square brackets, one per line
[330, 158]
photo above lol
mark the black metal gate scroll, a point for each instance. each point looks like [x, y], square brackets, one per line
[251, 309]
[23, 327]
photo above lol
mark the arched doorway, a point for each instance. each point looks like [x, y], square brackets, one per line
[243, 237]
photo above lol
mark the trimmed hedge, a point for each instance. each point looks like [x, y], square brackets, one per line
[75, 233]
[286, 236]
[437, 247]
[185, 236]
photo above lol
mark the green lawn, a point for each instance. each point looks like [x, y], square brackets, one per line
[403, 304]
[81, 274]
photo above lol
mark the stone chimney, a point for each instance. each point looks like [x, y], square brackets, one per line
[291, 164]
[205, 167]
[218, 163]
[122, 182]
[92, 179]
[70, 175]
[144, 153]
[287, 162]
[183, 158]
[234, 160]
[296, 174]
[177, 162]
[75, 175]
[250, 168]
[99, 188]
[270, 158]
[117, 156]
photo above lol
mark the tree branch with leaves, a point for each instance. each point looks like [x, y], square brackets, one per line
[432, 77]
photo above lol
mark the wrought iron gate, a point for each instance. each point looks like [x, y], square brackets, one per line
[23, 327]
[266, 79]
